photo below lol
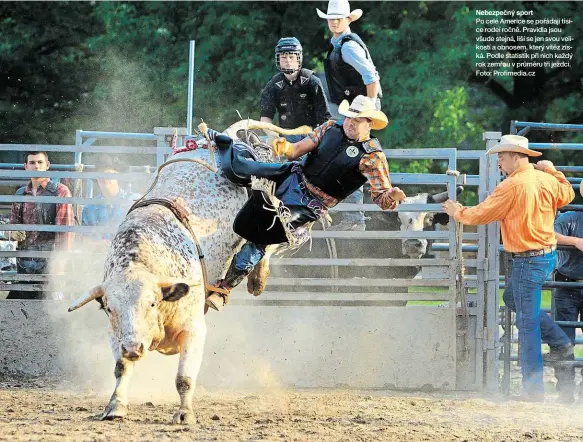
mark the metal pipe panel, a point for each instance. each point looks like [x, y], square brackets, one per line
[406, 154]
[346, 207]
[549, 126]
[558, 146]
[43, 228]
[118, 202]
[118, 135]
[130, 176]
[380, 235]
[190, 102]
[130, 150]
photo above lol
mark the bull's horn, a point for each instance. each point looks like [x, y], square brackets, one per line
[171, 281]
[94, 293]
[443, 196]
[302, 130]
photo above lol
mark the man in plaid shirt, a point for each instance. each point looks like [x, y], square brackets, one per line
[339, 158]
[43, 214]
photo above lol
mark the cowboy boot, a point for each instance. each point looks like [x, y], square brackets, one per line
[248, 137]
[217, 300]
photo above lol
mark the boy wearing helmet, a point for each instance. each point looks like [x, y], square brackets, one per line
[295, 94]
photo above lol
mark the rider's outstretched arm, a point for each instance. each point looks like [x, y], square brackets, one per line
[300, 148]
[293, 151]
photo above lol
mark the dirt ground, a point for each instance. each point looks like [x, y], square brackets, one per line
[40, 411]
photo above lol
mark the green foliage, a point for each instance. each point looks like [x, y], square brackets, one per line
[124, 66]
[452, 124]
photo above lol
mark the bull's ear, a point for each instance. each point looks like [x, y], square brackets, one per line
[174, 292]
[441, 218]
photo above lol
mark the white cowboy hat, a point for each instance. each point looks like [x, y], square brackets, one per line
[340, 9]
[514, 143]
[364, 107]
[581, 188]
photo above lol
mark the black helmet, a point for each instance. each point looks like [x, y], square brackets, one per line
[288, 45]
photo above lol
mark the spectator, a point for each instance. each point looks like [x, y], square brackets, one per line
[349, 68]
[568, 302]
[525, 203]
[350, 71]
[106, 215]
[60, 214]
[294, 93]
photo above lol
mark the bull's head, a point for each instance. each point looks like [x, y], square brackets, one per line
[136, 304]
[419, 221]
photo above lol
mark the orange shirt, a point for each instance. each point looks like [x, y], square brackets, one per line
[525, 204]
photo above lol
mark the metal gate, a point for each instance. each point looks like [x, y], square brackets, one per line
[469, 300]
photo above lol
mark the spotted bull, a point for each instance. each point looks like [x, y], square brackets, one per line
[152, 289]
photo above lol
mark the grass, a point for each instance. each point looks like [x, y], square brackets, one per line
[545, 299]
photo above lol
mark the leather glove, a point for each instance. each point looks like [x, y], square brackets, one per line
[203, 128]
[17, 235]
[281, 146]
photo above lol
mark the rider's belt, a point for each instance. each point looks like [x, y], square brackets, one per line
[531, 253]
[325, 200]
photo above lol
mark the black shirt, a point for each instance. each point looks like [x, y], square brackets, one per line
[299, 102]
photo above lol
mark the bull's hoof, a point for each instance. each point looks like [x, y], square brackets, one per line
[114, 410]
[215, 301]
[183, 417]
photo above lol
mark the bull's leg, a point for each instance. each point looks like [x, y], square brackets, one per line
[118, 404]
[191, 348]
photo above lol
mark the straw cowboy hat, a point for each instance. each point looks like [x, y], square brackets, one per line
[581, 188]
[514, 143]
[364, 107]
[340, 9]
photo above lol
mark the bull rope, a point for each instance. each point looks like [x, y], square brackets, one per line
[182, 214]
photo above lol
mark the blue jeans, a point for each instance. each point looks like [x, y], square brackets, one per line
[548, 328]
[525, 283]
[249, 255]
[294, 138]
[568, 307]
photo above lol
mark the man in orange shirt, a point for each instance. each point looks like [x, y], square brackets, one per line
[525, 203]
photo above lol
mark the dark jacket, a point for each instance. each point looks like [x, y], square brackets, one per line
[300, 102]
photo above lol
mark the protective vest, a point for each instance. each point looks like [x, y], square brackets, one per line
[295, 102]
[344, 82]
[334, 166]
